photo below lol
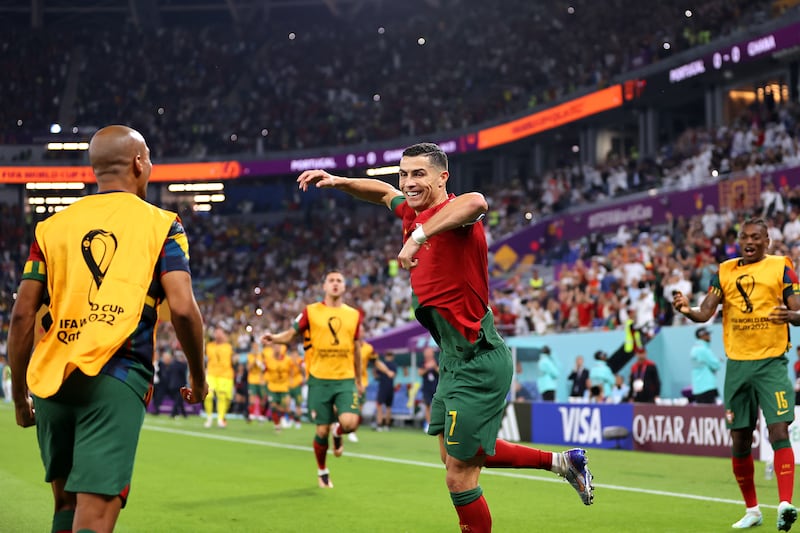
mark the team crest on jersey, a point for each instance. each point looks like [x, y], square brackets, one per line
[729, 416]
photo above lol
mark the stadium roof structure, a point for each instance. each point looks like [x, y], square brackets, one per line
[42, 13]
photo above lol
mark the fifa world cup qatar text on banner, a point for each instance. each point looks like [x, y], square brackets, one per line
[218, 170]
[683, 430]
[579, 424]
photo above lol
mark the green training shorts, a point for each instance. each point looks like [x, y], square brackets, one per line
[88, 433]
[257, 389]
[470, 401]
[279, 398]
[750, 384]
[296, 393]
[324, 394]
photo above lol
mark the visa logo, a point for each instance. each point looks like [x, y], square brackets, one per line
[581, 424]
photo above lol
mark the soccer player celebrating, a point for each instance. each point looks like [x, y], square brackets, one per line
[755, 332]
[446, 252]
[334, 381]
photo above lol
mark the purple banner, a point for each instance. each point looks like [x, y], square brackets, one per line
[741, 52]
[345, 160]
[735, 192]
[684, 430]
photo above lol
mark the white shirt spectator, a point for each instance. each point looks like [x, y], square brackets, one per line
[791, 230]
[771, 200]
[633, 271]
[710, 221]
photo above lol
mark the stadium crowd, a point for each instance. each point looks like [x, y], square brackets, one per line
[252, 273]
[255, 271]
[279, 84]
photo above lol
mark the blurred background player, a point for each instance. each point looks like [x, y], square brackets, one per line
[297, 378]
[278, 369]
[334, 367]
[219, 369]
[256, 385]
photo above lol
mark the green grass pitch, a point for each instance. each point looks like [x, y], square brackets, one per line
[247, 478]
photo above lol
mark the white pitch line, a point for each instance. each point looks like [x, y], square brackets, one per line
[487, 471]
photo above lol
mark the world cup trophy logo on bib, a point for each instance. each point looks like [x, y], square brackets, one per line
[98, 248]
[334, 325]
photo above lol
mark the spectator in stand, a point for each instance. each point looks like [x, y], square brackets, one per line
[214, 115]
[506, 320]
[791, 229]
[771, 201]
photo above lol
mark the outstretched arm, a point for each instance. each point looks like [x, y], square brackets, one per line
[366, 189]
[284, 337]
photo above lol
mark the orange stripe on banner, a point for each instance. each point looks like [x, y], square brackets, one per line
[553, 117]
[217, 170]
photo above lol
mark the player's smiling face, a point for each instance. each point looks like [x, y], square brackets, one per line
[753, 241]
[422, 183]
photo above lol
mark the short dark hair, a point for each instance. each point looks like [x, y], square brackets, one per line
[435, 155]
[331, 271]
[756, 221]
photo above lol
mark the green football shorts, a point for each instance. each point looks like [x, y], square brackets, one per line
[750, 384]
[296, 393]
[279, 398]
[324, 394]
[257, 389]
[88, 433]
[470, 401]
